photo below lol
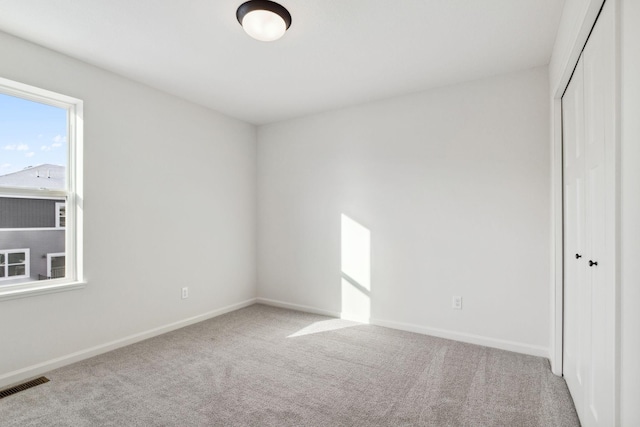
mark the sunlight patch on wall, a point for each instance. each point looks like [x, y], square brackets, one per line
[356, 270]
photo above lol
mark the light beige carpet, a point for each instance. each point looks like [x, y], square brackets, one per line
[264, 366]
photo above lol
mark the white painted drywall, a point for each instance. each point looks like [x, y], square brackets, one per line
[453, 185]
[630, 214]
[169, 202]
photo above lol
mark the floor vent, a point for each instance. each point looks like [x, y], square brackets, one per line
[18, 388]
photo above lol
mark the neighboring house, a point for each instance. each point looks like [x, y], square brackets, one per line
[32, 230]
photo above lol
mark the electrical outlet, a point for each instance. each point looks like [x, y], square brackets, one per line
[185, 293]
[457, 303]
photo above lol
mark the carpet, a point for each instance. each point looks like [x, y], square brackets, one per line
[265, 366]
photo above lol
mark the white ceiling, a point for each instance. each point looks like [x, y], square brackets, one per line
[337, 52]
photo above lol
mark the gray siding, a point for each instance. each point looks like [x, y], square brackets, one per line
[40, 242]
[27, 213]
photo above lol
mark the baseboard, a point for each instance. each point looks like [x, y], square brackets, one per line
[297, 307]
[514, 346]
[21, 375]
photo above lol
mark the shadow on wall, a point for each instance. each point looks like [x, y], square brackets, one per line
[356, 270]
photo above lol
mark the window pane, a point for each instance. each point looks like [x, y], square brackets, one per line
[17, 270]
[23, 212]
[40, 135]
[1, 259]
[17, 258]
[57, 262]
[30, 223]
[33, 144]
[57, 267]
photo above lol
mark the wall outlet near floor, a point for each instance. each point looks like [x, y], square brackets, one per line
[457, 303]
[185, 292]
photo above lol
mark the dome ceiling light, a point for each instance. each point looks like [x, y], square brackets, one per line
[264, 20]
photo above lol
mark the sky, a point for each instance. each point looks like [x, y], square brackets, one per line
[31, 134]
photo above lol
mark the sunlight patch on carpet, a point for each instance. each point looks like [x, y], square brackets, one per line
[324, 326]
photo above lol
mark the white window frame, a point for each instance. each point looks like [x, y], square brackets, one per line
[5, 266]
[59, 206]
[73, 193]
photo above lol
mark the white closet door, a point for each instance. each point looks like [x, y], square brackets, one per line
[576, 300]
[589, 185]
[599, 102]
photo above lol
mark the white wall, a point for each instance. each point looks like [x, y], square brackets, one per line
[453, 185]
[630, 214]
[169, 202]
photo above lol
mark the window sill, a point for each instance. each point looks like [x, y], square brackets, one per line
[31, 289]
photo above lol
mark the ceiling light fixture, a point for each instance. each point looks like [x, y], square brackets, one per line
[264, 20]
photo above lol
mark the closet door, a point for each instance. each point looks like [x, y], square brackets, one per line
[599, 113]
[576, 304]
[589, 224]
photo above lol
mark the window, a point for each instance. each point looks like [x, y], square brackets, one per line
[61, 214]
[55, 265]
[14, 264]
[40, 177]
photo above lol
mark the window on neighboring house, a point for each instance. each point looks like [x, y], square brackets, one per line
[60, 215]
[14, 264]
[40, 174]
[55, 265]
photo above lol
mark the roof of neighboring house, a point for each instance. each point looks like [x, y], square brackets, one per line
[41, 176]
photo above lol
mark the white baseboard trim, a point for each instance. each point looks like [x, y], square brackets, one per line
[514, 346]
[297, 307]
[23, 374]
